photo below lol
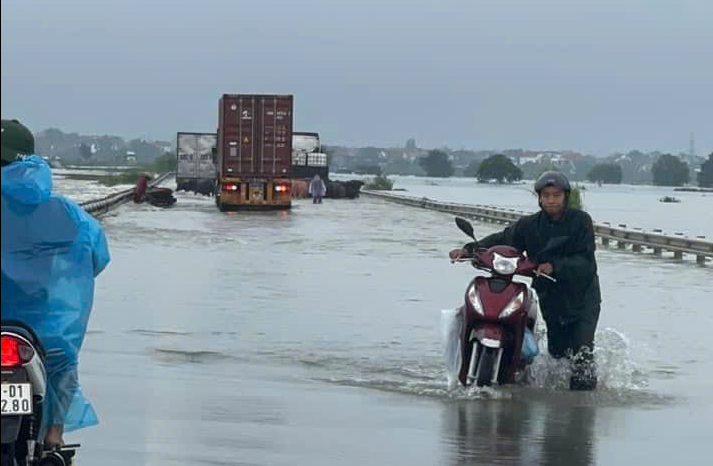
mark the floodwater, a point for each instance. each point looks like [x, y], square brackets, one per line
[313, 338]
[634, 206]
[82, 190]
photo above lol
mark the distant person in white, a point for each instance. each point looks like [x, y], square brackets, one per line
[317, 189]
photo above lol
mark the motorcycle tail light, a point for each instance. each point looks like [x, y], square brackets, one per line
[14, 352]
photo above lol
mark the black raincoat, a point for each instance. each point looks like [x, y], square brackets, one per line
[571, 305]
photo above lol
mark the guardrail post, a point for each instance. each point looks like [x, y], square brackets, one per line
[636, 247]
[678, 255]
[605, 241]
[657, 251]
[700, 260]
[621, 244]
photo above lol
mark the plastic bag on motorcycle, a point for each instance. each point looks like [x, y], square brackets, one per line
[51, 252]
[451, 331]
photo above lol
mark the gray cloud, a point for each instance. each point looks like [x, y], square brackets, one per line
[594, 75]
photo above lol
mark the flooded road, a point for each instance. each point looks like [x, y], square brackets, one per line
[314, 337]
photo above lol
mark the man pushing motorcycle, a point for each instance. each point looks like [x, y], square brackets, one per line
[571, 305]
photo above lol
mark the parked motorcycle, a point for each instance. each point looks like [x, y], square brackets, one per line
[23, 387]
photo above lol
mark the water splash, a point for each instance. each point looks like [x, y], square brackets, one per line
[617, 369]
[621, 377]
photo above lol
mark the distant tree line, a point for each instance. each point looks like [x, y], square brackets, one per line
[670, 171]
[609, 173]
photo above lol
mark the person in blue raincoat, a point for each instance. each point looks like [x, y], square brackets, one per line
[52, 250]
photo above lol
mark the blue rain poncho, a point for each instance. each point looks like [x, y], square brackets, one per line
[51, 252]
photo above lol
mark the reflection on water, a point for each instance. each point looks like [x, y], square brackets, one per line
[519, 432]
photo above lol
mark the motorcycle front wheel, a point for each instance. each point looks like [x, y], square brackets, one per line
[488, 357]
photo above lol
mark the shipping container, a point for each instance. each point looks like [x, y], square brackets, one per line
[254, 151]
[194, 153]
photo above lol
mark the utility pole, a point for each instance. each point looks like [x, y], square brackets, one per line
[692, 145]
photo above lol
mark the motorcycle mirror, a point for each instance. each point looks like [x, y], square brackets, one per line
[465, 227]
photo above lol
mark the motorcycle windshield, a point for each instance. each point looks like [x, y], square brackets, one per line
[51, 253]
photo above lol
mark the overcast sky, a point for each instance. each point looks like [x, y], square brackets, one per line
[591, 75]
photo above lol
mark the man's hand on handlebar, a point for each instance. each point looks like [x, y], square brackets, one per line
[467, 251]
[456, 254]
[545, 268]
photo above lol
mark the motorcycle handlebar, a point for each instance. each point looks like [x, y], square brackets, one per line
[474, 260]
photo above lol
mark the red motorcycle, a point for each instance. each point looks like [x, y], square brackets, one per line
[497, 312]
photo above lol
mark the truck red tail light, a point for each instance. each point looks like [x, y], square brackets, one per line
[230, 187]
[10, 356]
[282, 188]
[14, 351]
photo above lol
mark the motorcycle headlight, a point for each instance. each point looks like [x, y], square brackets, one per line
[475, 300]
[505, 265]
[512, 306]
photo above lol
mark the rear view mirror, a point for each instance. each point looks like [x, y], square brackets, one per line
[465, 226]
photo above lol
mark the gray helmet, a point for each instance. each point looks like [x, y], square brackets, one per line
[552, 178]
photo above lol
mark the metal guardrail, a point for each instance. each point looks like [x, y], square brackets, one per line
[623, 236]
[98, 207]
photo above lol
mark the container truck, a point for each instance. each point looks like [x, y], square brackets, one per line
[253, 153]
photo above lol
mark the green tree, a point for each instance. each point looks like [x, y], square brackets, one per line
[670, 171]
[499, 167]
[606, 173]
[85, 151]
[471, 170]
[144, 150]
[380, 183]
[164, 163]
[436, 164]
[369, 155]
[705, 176]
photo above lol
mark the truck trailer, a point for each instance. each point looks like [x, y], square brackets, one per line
[254, 150]
[195, 164]
[307, 157]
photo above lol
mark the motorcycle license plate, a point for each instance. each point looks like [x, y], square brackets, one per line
[16, 399]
